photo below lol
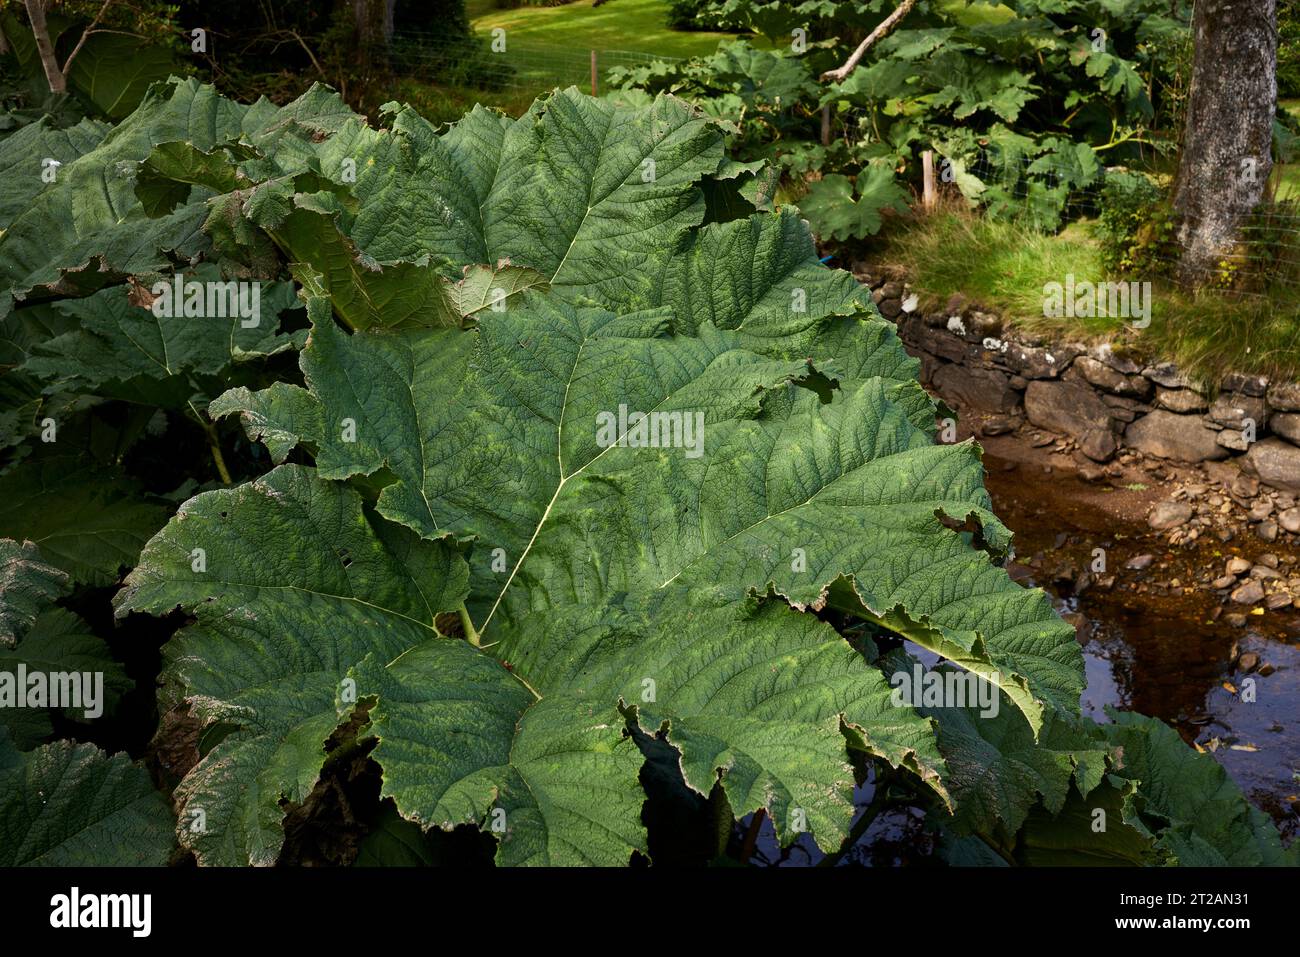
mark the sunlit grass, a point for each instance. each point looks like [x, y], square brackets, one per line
[1004, 267]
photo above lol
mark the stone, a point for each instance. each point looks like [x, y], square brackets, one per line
[1168, 515]
[1253, 385]
[1104, 377]
[1225, 581]
[1099, 445]
[1244, 486]
[1238, 566]
[1251, 593]
[1105, 354]
[1181, 400]
[1000, 424]
[911, 303]
[1290, 520]
[945, 345]
[1183, 438]
[1248, 662]
[1036, 363]
[892, 290]
[1287, 425]
[1232, 409]
[1263, 571]
[985, 325]
[1140, 563]
[957, 305]
[1274, 462]
[1232, 439]
[984, 389]
[1266, 531]
[1166, 374]
[1277, 600]
[1065, 407]
[929, 366]
[1019, 383]
[890, 308]
[1285, 396]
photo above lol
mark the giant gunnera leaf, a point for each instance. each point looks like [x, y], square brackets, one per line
[587, 475]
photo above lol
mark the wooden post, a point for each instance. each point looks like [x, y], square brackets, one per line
[826, 125]
[928, 196]
[593, 72]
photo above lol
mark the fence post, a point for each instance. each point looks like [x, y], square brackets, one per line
[826, 125]
[593, 72]
[928, 197]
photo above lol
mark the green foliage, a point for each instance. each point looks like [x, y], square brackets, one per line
[1288, 49]
[469, 564]
[70, 805]
[1135, 226]
[1019, 105]
[131, 47]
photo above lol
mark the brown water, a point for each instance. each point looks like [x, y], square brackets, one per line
[1161, 652]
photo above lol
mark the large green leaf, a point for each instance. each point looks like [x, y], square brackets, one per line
[124, 350]
[320, 609]
[60, 641]
[71, 805]
[499, 442]
[25, 156]
[1196, 812]
[27, 585]
[89, 229]
[88, 520]
[834, 212]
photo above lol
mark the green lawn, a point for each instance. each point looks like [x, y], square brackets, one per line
[636, 25]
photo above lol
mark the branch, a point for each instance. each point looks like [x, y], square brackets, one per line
[67, 65]
[294, 36]
[886, 26]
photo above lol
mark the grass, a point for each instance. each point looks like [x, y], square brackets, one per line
[548, 47]
[637, 25]
[1004, 266]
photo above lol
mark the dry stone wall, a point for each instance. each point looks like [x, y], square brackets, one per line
[1105, 401]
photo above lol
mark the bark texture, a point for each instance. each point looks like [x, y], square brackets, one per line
[1228, 129]
[44, 48]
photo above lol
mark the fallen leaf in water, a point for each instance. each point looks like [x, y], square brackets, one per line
[1229, 687]
[1244, 747]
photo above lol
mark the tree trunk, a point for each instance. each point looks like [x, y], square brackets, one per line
[1228, 131]
[44, 48]
[372, 21]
